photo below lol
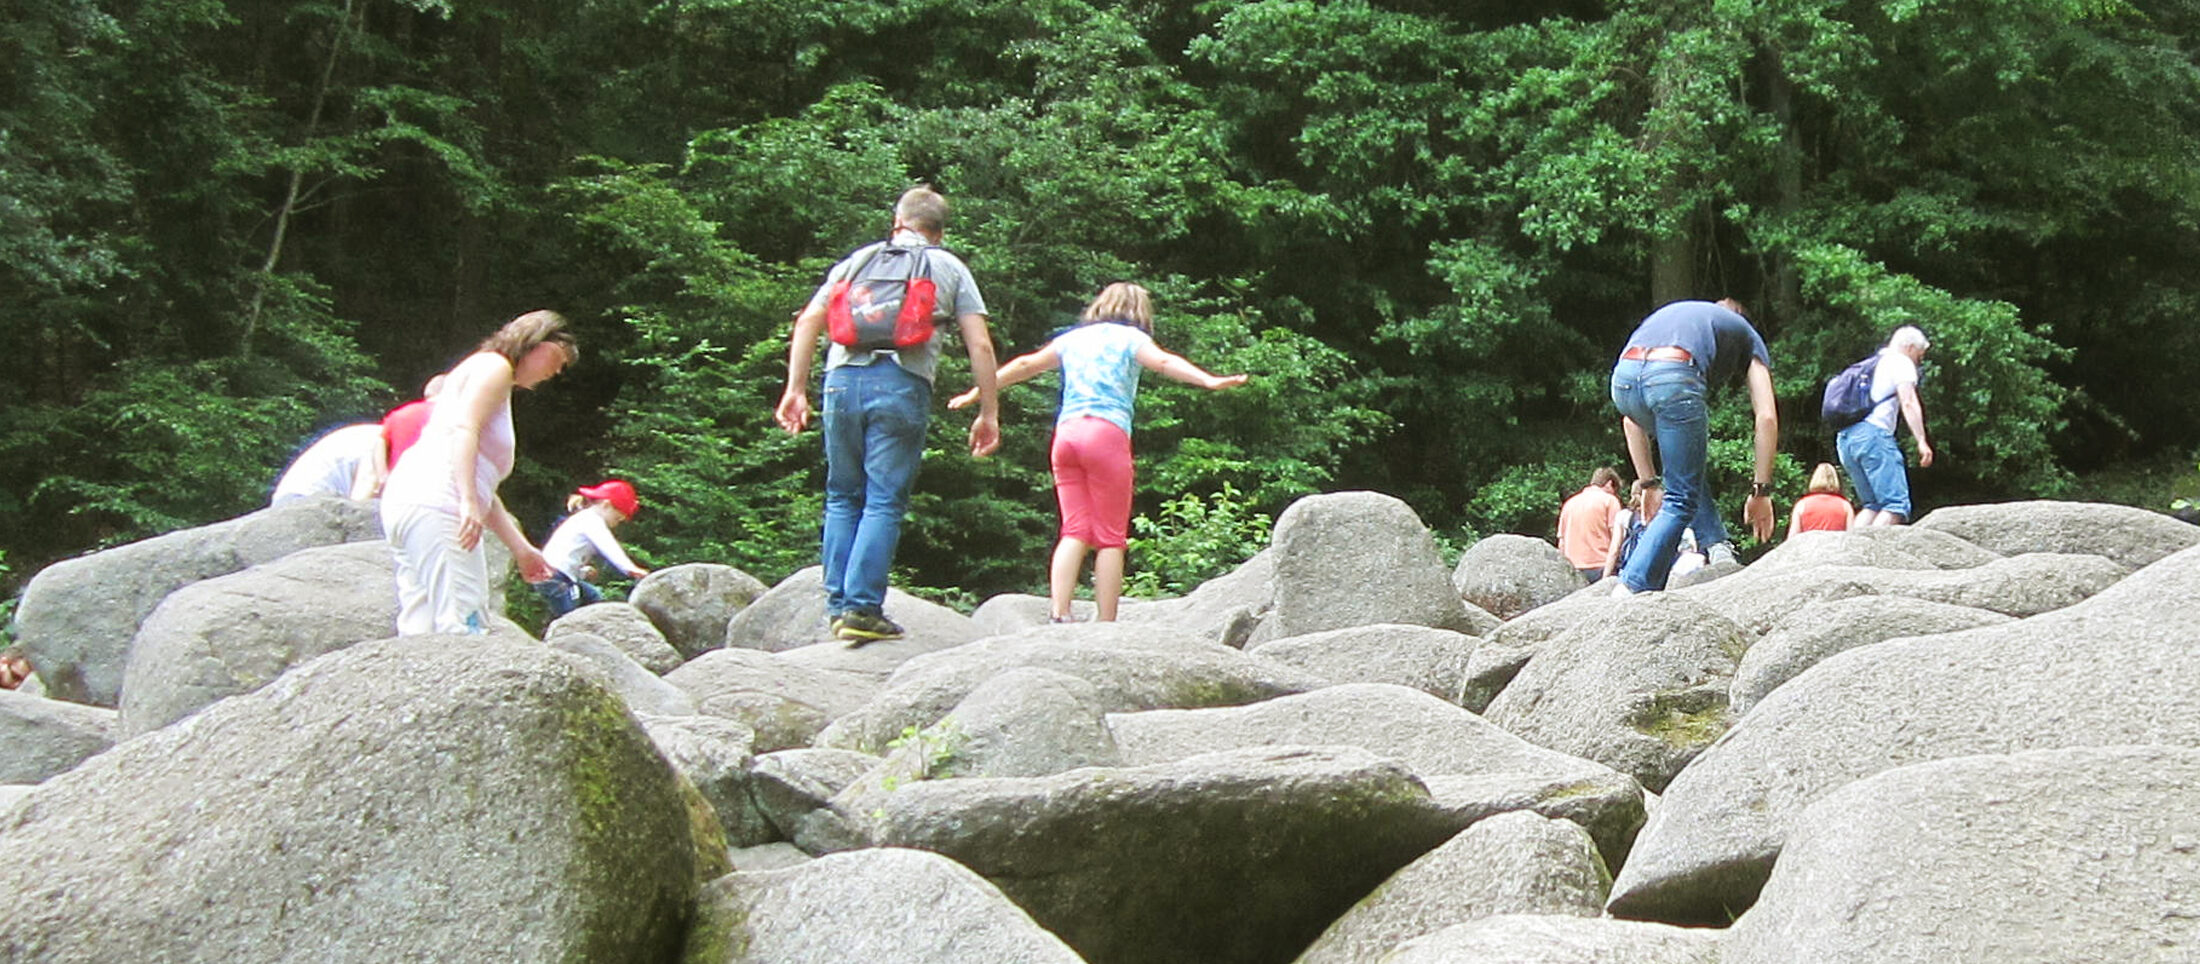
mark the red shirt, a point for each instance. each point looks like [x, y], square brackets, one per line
[1821, 510]
[401, 427]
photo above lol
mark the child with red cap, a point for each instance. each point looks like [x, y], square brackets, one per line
[595, 509]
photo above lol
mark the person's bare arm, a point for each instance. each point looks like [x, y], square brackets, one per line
[1175, 367]
[1758, 510]
[985, 430]
[1913, 412]
[366, 481]
[793, 413]
[1018, 370]
[532, 566]
[1638, 448]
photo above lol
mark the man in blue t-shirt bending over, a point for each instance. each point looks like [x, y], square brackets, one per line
[1671, 363]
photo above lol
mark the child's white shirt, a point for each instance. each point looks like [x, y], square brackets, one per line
[581, 534]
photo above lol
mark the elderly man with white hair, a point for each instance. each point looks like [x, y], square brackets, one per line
[1868, 450]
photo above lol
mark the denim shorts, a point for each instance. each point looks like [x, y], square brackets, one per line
[1875, 466]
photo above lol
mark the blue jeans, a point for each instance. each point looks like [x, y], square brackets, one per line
[563, 594]
[874, 439]
[1667, 399]
[1876, 467]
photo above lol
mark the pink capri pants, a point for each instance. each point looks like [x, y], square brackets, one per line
[1092, 481]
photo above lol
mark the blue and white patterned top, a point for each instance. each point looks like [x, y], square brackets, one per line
[1100, 372]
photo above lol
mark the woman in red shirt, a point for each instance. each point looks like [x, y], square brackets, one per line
[1823, 508]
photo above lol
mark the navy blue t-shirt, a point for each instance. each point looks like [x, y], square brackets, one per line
[1720, 342]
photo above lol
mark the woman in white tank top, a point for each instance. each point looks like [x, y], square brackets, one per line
[443, 494]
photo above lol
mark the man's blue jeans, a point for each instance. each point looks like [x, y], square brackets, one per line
[1876, 467]
[874, 439]
[1666, 398]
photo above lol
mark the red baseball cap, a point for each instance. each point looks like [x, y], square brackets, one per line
[619, 494]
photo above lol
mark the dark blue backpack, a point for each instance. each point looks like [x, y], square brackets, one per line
[1628, 539]
[1849, 395]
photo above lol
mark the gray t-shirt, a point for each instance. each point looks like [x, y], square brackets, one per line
[957, 294]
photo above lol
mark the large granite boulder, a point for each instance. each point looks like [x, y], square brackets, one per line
[77, 616]
[1879, 547]
[2084, 854]
[792, 615]
[428, 798]
[1428, 659]
[1130, 667]
[2114, 669]
[233, 634]
[1546, 939]
[867, 907]
[787, 705]
[1507, 648]
[1642, 692]
[1285, 840]
[2019, 586]
[1819, 630]
[1508, 574]
[713, 754]
[1356, 558]
[1010, 613]
[2132, 536]
[1472, 767]
[1228, 609]
[691, 603]
[789, 785]
[624, 626]
[45, 737]
[1514, 863]
[641, 690]
[1029, 722]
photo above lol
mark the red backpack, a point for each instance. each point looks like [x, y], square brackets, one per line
[885, 302]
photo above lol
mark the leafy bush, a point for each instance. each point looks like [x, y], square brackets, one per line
[1194, 540]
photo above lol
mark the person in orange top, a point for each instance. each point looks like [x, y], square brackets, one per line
[1824, 507]
[1585, 523]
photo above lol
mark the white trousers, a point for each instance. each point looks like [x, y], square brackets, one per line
[440, 587]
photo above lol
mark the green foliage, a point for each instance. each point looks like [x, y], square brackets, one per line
[936, 747]
[1192, 540]
[1422, 228]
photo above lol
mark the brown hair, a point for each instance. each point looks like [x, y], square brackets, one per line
[923, 209]
[1641, 488]
[1122, 301]
[520, 336]
[1823, 479]
[1603, 476]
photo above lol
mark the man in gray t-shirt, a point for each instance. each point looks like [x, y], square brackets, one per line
[876, 406]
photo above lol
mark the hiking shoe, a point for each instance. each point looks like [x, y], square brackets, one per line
[864, 627]
[1720, 552]
[832, 626]
[1620, 590]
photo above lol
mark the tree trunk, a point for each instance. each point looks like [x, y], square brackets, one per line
[296, 187]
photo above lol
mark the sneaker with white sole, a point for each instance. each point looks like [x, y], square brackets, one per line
[1720, 552]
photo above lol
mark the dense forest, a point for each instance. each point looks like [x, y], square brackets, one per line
[1425, 227]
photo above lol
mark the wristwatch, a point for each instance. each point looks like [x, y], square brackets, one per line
[1760, 490]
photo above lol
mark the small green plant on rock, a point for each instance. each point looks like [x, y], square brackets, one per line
[935, 749]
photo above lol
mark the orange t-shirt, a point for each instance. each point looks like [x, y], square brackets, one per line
[1585, 527]
[1821, 510]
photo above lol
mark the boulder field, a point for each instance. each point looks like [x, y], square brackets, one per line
[1968, 739]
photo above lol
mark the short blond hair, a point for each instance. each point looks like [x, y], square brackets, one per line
[922, 208]
[1825, 479]
[1122, 301]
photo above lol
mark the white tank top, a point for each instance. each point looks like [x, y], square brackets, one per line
[423, 476]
